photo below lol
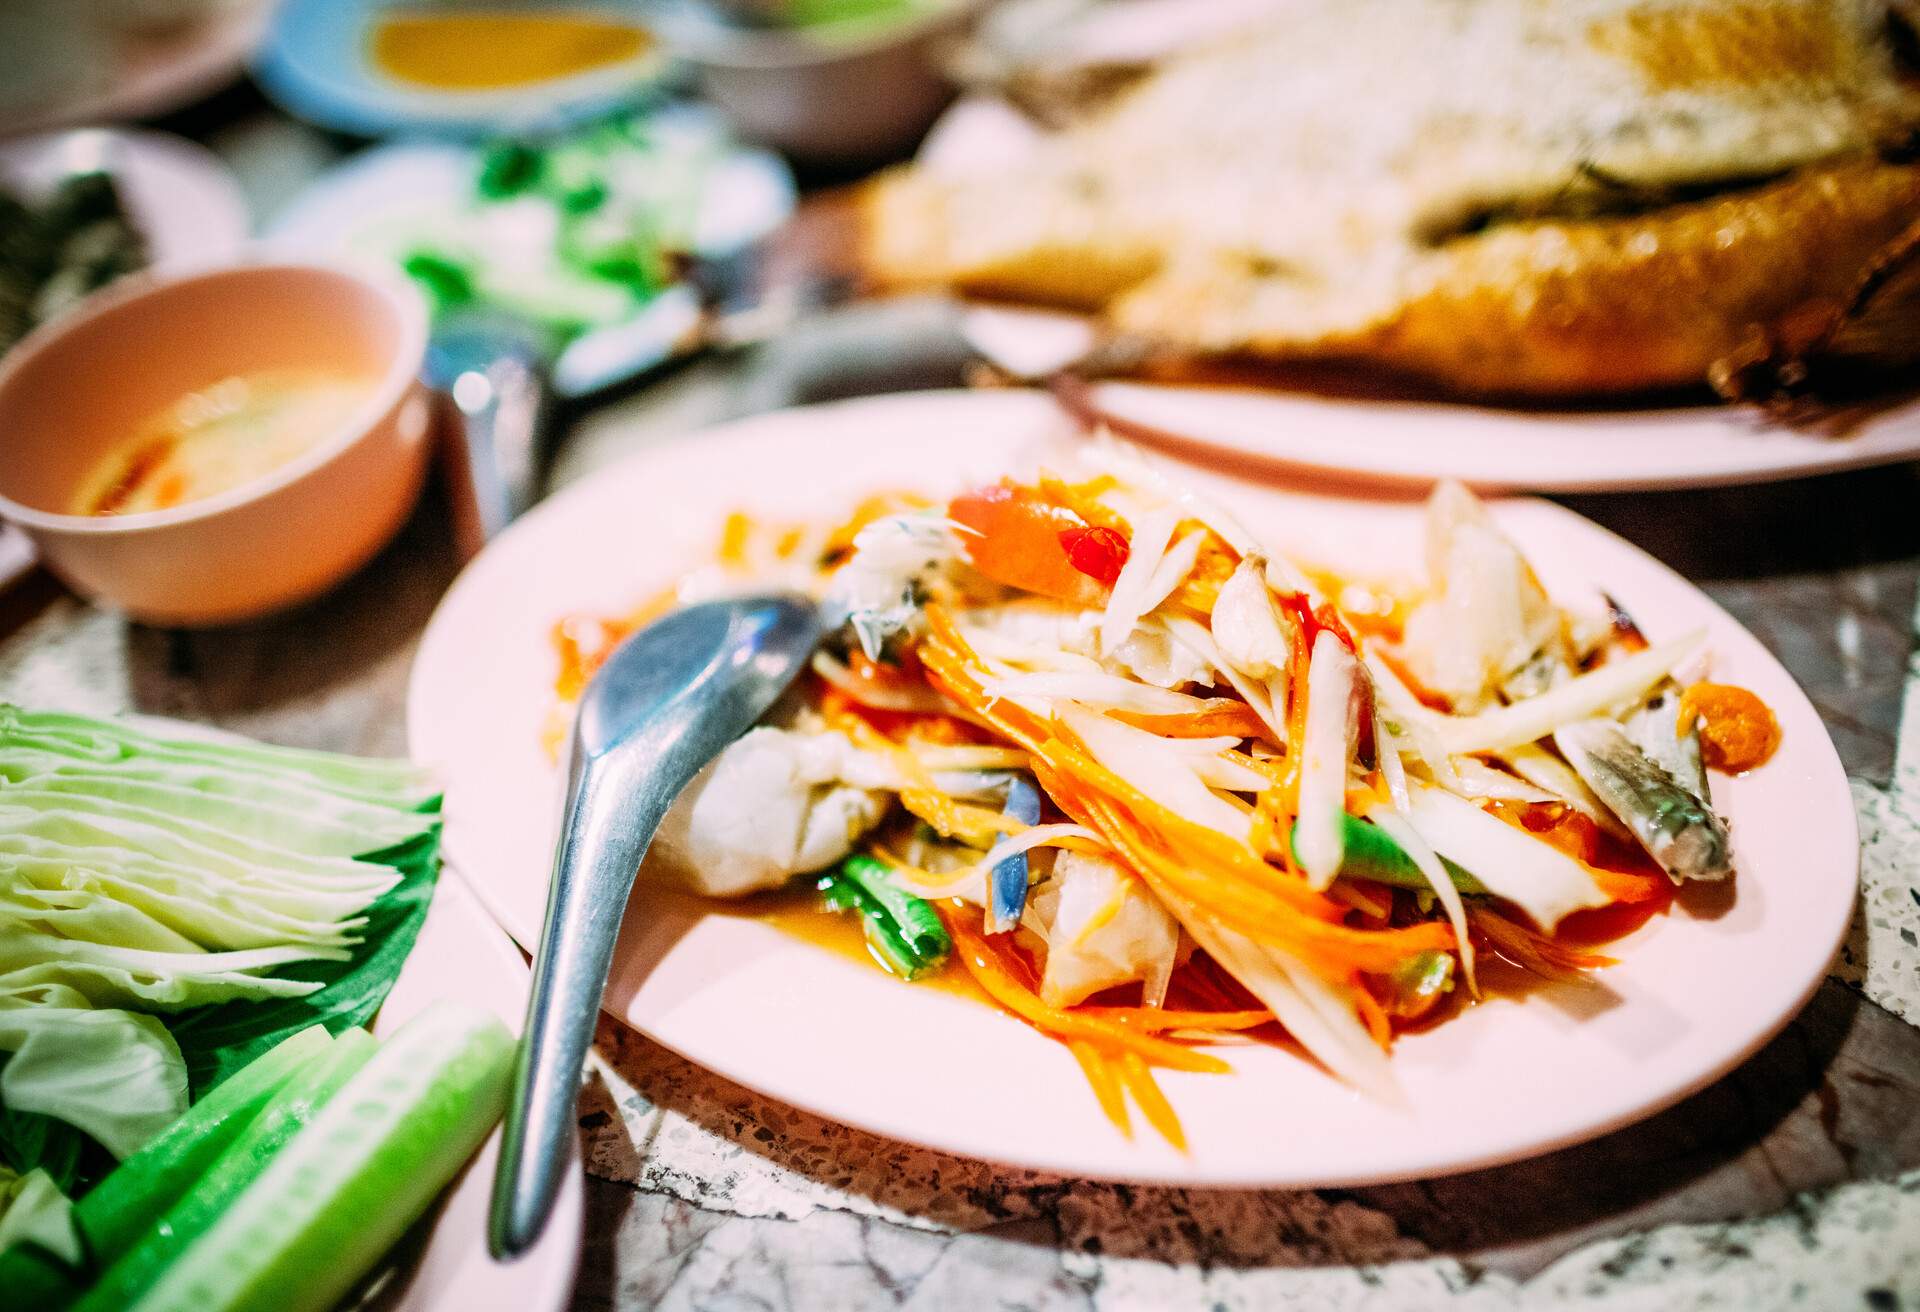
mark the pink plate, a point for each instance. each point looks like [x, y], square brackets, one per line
[1693, 995]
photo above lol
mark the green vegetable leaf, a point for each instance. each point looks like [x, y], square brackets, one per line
[217, 1041]
[446, 282]
[30, 1141]
[509, 168]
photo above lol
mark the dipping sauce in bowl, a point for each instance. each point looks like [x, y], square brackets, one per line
[199, 448]
[486, 50]
[221, 437]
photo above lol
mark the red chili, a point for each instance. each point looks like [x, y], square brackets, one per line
[1098, 552]
[1311, 621]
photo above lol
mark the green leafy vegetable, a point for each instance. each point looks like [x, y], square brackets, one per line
[217, 1041]
[38, 1216]
[114, 1075]
[242, 892]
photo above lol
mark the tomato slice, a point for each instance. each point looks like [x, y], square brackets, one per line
[1017, 538]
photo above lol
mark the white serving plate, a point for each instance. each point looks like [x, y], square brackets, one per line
[748, 194]
[463, 956]
[1693, 996]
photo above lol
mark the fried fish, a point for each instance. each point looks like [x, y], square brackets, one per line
[1515, 197]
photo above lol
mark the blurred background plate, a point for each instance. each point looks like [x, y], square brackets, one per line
[182, 199]
[1413, 442]
[62, 64]
[318, 63]
[359, 207]
[1344, 425]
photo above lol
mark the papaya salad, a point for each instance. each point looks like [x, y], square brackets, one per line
[1157, 789]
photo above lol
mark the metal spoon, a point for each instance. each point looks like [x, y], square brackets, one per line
[667, 701]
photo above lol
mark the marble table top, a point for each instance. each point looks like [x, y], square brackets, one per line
[1793, 1182]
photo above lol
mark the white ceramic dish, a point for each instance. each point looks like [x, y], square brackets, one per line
[1692, 997]
[748, 194]
[1407, 443]
[181, 197]
[462, 954]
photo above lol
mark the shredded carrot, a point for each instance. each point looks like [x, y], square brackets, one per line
[1373, 1014]
[1630, 886]
[733, 539]
[1083, 499]
[1169, 851]
[1153, 1103]
[989, 969]
[1211, 569]
[1106, 1085]
[1222, 717]
[1247, 894]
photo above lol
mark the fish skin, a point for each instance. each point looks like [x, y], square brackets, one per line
[1678, 830]
[1235, 239]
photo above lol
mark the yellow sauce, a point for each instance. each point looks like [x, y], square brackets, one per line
[240, 429]
[483, 50]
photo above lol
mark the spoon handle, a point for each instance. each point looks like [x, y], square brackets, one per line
[608, 824]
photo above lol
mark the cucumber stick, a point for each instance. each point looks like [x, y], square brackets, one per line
[336, 1198]
[232, 1174]
[145, 1185]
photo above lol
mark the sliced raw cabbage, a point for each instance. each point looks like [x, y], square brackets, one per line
[397, 784]
[33, 1211]
[116, 1075]
[240, 891]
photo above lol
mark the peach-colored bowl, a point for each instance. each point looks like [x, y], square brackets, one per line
[73, 389]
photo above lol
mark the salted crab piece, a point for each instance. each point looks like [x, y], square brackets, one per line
[1487, 616]
[774, 804]
[1103, 929]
